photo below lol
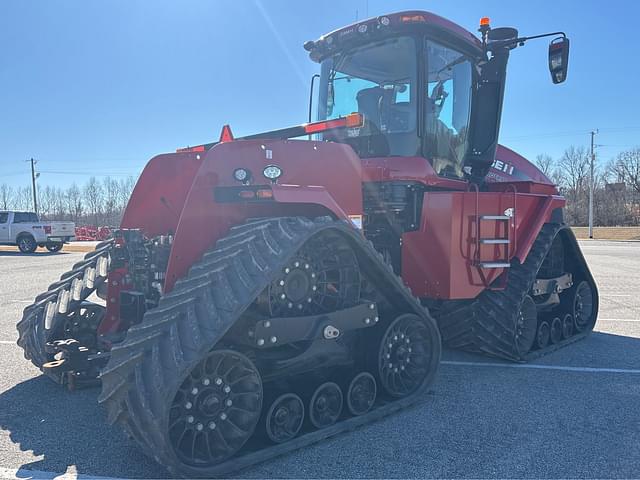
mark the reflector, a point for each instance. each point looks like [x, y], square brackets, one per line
[226, 135]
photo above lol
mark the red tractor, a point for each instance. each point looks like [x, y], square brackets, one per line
[264, 293]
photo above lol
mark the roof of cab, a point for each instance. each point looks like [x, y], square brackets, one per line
[397, 19]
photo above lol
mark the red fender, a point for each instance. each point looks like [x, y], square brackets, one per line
[304, 164]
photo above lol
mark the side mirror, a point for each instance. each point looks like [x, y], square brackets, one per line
[559, 59]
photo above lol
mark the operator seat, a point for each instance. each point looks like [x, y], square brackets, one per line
[369, 104]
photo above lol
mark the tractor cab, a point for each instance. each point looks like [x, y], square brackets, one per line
[425, 86]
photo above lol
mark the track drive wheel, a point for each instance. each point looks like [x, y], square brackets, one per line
[285, 418]
[216, 409]
[526, 325]
[325, 405]
[405, 355]
[583, 306]
[361, 394]
[543, 334]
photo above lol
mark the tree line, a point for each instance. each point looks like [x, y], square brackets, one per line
[616, 193]
[95, 202]
[616, 199]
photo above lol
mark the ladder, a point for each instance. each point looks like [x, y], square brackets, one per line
[505, 228]
[502, 224]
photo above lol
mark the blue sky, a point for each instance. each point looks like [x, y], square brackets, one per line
[99, 87]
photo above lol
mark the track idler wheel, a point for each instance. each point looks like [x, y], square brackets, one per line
[526, 325]
[216, 409]
[361, 394]
[583, 310]
[543, 334]
[567, 326]
[555, 332]
[325, 405]
[404, 359]
[285, 418]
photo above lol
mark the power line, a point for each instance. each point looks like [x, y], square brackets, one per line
[569, 133]
[90, 174]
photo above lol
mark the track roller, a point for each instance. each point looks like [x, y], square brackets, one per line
[361, 394]
[285, 418]
[567, 326]
[543, 334]
[325, 405]
[216, 408]
[555, 331]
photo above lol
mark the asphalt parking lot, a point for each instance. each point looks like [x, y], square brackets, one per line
[573, 413]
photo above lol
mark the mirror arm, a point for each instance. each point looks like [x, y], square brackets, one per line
[512, 43]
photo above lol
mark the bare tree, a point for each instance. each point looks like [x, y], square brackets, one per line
[110, 207]
[6, 196]
[23, 199]
[93, 196]
[573, 169]
[46, 201]
[73, 199]
[60, 205]
[574, 165]
[545, 163]
[125, 189]
[627, 166]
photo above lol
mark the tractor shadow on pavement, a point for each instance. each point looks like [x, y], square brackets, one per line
[68, 429]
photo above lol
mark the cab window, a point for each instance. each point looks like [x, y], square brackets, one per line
[378, 80]
[25, 217]
[448, 108]
[4, 216]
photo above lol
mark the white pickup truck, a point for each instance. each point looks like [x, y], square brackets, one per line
[25, 230]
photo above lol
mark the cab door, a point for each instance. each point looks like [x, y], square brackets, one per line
[4, 227]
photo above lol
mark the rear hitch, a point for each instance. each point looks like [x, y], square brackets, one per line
[75, 363]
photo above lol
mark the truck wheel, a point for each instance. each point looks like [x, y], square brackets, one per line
[54, 247]
[27, 244]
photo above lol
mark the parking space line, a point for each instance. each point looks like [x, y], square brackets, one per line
[618, 320]
[542, 367]
[22, 473]
[7, 342]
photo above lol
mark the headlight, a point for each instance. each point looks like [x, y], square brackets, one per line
[362, 28]
[272, 172]
[242, 174]
[385, 21]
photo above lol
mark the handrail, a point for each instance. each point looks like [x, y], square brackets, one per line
[476, 254]
[515, 223]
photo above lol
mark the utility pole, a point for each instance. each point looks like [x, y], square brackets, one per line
[33, 184]
[591, 182]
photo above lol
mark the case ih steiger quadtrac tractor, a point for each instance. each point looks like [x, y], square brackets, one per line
[264, 293]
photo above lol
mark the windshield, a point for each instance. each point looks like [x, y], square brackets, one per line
[379, 81]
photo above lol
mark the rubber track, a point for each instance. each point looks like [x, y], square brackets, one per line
[145, 370]
[486, 325]
[31, 327]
